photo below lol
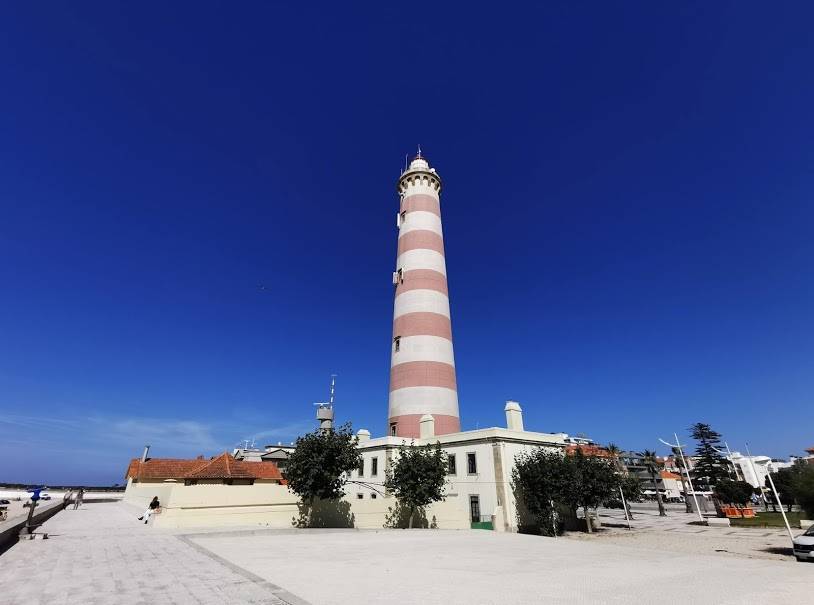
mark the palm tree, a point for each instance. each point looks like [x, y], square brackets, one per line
[614, 451]
[653, 466]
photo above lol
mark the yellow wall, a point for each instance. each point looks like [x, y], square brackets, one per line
[270, 505]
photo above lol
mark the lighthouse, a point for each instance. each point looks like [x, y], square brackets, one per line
[422, 364]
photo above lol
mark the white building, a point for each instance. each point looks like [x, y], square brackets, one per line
[480, 465]
[753, 469]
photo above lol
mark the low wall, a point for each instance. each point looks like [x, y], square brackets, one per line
[10, 529]
[273, 505]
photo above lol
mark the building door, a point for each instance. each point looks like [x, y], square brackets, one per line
[474, 509]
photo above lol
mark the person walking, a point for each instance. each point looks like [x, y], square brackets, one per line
[79, 495]
[154, 505]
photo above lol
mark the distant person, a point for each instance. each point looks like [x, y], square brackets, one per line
[154, 504]
[79, 495]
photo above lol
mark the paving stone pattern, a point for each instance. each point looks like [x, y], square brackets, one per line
[101, 555]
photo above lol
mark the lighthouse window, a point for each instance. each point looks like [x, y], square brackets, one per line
[401, 276]
[393, 429]
[451, 464]
[397, 343]
[471, 464]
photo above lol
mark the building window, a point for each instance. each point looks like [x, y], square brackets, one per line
[401, 275]
[374, 467]
[393, 429]
[397, 343]
[190, 482]
[362, 468]
[471, 464]
[451, 469]
[360, 496]
[474, 508]
[372, 496]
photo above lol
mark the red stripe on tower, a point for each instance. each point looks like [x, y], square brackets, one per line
[422, 364]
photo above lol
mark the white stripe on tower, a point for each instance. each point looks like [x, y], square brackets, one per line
[422, 363]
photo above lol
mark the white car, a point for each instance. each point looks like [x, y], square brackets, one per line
[804, 545]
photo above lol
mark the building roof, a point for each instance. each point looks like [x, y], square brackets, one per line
[669, 475]
[223, 466]
[592, 451]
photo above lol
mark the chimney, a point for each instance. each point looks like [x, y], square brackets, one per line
[426, 427]
[363, 435]
[514, 416]
[144, 455]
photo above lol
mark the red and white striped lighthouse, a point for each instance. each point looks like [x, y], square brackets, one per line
[422, 365]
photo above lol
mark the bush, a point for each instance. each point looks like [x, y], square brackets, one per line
[734, 492]
[805, 490]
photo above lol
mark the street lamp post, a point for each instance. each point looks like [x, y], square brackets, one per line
[780, 504]
[677, 445]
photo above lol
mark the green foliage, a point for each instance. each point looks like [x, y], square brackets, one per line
[417, 479]
[734, 492]
[321, 460]
[785, 480]
[632, 489]
[538, 478]
[804, 489]
[710, 467]
[544, 480]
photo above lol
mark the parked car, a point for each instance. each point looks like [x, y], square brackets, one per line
[45, 496]
[804, 545]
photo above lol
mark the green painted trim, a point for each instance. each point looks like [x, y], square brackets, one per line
[482, 525]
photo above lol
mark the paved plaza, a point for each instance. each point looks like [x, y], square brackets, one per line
[100, 554]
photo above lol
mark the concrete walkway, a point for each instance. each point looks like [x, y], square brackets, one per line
[102, 555]
[443, 567]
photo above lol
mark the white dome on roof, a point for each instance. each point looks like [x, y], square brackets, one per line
[419, 164]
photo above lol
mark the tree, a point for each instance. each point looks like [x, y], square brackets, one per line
[632, 490]
[785, 480]
[711, 466]
[319, 465]
[684, 485]
[653, 466]
[804, 489]
[734, 492]
[591, 481]
[538, 479]
[418, 477]
[614, 451]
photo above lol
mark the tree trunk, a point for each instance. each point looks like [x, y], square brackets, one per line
[686, 494]
[587, 520]
[410, 522]
[629, 510]
[658, 495]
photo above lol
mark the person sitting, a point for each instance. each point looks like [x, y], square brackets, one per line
[154, 504]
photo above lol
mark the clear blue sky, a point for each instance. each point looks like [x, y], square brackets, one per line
[627, 213]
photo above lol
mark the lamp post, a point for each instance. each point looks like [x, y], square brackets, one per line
[677, 445]
[780, 504]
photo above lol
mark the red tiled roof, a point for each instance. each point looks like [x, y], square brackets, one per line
[592, 451]
[219, 467]
[669, 475]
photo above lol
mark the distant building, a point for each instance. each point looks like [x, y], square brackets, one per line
[278, 454]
